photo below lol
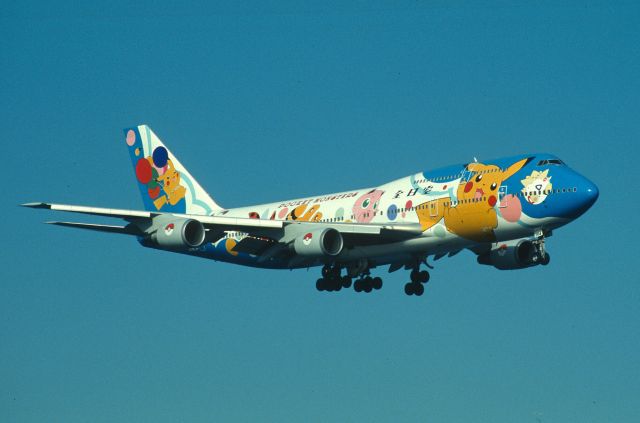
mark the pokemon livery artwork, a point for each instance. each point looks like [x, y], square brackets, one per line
[163, 182]
[501, 210]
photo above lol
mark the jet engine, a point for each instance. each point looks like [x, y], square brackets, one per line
[319, 243]
[516, 254]
[177, 234]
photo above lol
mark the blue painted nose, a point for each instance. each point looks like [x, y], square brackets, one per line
[588, 195]
[592, 193]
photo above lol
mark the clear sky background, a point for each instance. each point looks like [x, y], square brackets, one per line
[272, 101]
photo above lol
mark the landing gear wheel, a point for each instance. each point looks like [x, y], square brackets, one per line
[414, 276]
[320, 284]
[408, 288]
[328, 285]
[376, 283]
[545, 259]
[368, 284]
[346, 282]
[418, 289]
[338, 285]
[357, 286]
[423, 276]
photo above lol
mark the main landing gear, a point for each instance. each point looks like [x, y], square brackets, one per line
[418, 279]
[367, 284]
[331, 280]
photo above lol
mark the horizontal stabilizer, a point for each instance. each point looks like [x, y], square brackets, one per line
[96, 211]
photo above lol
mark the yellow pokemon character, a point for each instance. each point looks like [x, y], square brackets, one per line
[302, 214]
[170, 181]
[472, 215]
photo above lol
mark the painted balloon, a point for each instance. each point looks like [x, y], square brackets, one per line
[143, 171]
[160, 157]
[392, 212]
[154, 192]
[131, 137]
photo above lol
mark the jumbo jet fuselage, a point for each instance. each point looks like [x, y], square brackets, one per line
[471, 205]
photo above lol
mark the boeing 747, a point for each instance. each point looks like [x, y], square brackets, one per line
[502, 210]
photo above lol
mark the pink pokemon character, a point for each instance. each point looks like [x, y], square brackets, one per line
[366, 207]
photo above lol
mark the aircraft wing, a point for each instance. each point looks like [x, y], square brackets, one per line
[353, 233]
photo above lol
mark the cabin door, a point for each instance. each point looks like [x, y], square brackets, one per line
[502, 196]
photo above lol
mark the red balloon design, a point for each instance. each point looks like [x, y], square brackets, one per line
[143, 171]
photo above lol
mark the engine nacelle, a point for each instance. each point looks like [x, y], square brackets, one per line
[177, 234]
[319, 243]
[510, 255]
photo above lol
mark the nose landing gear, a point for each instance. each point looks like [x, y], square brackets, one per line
[541, 256]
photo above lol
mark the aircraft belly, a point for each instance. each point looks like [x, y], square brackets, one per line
[416, 246]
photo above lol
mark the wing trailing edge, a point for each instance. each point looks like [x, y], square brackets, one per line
[356, 232]
[129, 229]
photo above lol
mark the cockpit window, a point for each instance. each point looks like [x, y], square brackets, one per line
[550, 161]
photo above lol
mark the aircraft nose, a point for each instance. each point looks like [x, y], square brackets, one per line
[589, 194]
[592, 193]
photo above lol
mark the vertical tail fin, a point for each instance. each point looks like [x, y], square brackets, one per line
[165, 184]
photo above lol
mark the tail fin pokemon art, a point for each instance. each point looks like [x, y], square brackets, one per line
[472, 214]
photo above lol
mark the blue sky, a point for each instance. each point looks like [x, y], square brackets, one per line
[270, 101]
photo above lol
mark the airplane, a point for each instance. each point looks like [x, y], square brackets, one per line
[501, 210]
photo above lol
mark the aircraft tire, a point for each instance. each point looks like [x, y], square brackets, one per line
[337, 284]
[546, 259]
[414, 276]
[424, 276]
[419, 289]
[346, 282]
[357, 285]
[408, 288]
[376, 283]
[368, 284]
[320, 284]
